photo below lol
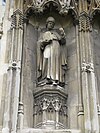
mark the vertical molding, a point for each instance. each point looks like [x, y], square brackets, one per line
[21, 106]
[94, 10]
[85, 93]
[18, 37]
[7, 8]
[92, 89]
[88, 75]
[80, 102]
[14, 70]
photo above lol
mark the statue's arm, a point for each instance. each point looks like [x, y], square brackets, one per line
[63, 36]
[45, 40]
[41, 43]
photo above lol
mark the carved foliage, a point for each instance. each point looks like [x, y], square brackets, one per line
[62, 6]
[91, 7]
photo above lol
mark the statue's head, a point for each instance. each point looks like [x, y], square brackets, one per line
[50, 19]
[50, 22]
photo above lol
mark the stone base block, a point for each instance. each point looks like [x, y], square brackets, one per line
[49, 131]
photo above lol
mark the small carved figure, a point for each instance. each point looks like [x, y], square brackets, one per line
[51, 55]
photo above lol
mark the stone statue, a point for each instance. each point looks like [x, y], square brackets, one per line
[51, 50]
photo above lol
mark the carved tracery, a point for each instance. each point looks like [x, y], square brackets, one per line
[62, 6]
[50, 108]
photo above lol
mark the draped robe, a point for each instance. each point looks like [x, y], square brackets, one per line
[51, 56]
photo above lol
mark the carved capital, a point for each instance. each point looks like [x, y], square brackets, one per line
[87, 67]
[17, 20]
[84, 22]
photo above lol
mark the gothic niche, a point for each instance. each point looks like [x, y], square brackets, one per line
[50, 95]
[50, 108]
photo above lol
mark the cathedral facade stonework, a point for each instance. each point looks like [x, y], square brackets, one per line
[50, 66]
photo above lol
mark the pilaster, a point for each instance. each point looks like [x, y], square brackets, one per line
[80, 99]
[14, 70]
[87, 70]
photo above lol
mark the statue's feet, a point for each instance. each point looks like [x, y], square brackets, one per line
[55, 82]
[62, 84]
[49, 81]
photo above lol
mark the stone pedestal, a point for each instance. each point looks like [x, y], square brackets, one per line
[50, 107]
[49, 131]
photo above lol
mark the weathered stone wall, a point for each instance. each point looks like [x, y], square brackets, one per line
[96, 40]
[72, 77]
[29, 73]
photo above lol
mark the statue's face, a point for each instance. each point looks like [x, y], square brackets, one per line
[50, 25]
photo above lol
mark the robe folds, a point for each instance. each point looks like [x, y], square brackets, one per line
[51, 60]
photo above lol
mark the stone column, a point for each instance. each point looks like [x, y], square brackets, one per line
[92, 88]
[14, 69]
[87, 71]
[21, 106]
[17, 28]
[80, 101]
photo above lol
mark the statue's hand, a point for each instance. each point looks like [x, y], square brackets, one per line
[45, 43]
[62, 31]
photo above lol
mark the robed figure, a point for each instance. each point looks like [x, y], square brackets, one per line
[51, 57]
